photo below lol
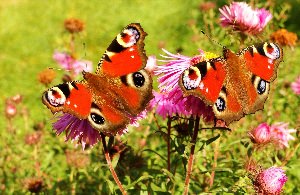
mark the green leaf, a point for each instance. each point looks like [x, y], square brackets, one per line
[115, 160]
[169, 174]
[110, 185]
[144, 177]
[209, 141]
[249, 152]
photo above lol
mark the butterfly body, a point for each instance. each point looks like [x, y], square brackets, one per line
[119, 90]
[235, 84]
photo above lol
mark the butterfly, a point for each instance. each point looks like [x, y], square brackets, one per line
[119, 89]
[234, 84]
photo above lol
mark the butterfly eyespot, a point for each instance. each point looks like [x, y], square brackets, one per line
[138, 79]
[220, 104]
[191, 78]
[272, 51]
[128, 37]
[55, 97]
[261, 87]
[99, 120]
[95, 118]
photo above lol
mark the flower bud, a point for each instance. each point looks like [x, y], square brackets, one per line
[261, 134]
[10, 110]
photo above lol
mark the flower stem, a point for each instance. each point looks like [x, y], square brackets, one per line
[191, 158]
[216, 152]
[168, 143]
[112, 170]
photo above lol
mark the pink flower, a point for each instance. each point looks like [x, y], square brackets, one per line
[166, 106]
[281, 135]
[270, 181]
[69, 63]
[277, 133]
[82, 65]
[296, 86]
[243, 18]
[174, 67]
[261, 134]
[10, 110]
[171, 101]
[82, 131]
[77, 129]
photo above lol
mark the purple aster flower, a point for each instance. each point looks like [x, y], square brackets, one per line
[243, 18]
[69, 63]
[77, 129]
[296, 86]
[281, 135]
[171, 101]
[166, 106]
[82, 131]
[174, 67]
[270, 181]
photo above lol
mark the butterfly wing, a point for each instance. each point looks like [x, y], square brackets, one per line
[125, 54]
[72, 97]
[209, 81]
[204, 80]
[262, 62]
[247, 83]
[78, 99]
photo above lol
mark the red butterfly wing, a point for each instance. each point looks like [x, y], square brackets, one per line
[204, 80]
[262, 60]
[125, 54]
[72, 97]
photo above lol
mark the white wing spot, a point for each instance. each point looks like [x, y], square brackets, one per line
[132, 56]
[68, 102]
[270, 61]
[75, 105]
[269, 67]
[201, 86]
[131, 49]
[206, 90]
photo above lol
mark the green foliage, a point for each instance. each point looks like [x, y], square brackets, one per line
[32, 30]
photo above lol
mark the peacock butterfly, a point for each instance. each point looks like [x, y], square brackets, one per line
[119, 90]
[235, 84]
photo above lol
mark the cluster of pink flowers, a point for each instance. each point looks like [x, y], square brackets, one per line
[277, 133]
[11, 105]
[69, 63]
[243, 18]
[170, 101]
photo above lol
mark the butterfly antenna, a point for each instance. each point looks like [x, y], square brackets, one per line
[59, 69]
[212, 40]
[84, 48]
